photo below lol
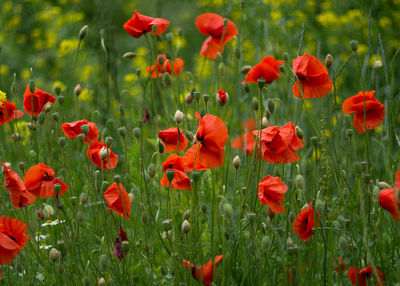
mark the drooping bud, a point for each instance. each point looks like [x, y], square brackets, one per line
[328, 61]
[129, 55]
[236, 162]
[271, 106]
[299, 132]
[383, 185]
[245, 69]
[83, 32]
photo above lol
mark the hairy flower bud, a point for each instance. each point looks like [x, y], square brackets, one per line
[236, 162]
[54, 254]
[178, 116]
[83, 32]
[185, 227]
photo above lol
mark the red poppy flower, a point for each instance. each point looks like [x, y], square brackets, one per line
[267, 69]
[39, 181]
[374, 110]
[8, 112]
[98, 150]
[279, 145]
[213, 25]
[204, 274]
[270, 192]
[39, 99]
[388, 199]
[158, 69]
[340, 264]
[73, 129]
[140, 24]
[246, 141]
[118, 200]
[222, 96]
[20, 197]
[170, 138]
[304, 223]
[313, 77]
[365, 274]
[12, 238]
[180, 181]
[209, 150]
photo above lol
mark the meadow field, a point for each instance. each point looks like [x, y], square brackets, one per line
[204, 142]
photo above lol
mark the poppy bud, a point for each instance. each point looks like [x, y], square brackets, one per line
[204, 208]
[102, 281]
[151, 170]
[61, 141]
[375, 194]
[80, 217]
[166, 79]
[328, 61]
[54, 254]
[377, 65]
[104, 186]
[354, 45]
[314, 140]
[265, 243]
[227, 210]
[22, 165]
[245, 69]
[83, 32]
[129, 55]
[144, 217]
[299, 132]
[271, 106]
[83, 198]
[291, 217]
[285, 57]
[167, 224]
[251, 217]
[47, 107]
[222, 97]
[41, 118]
[206, 97]
[161, 147]
[170, 37]
[195, 175]
[47, 211]
[384, 185]
[136, 132]
[85, 129]
[254, 102]
[186, 215]
[103, 263]
[300, 182]
[289, 242]
[108, 141]
[122, 131]
[185, 227]
[264, 122]
[170, 174]
[261, 83]
[55, 116]
[178, 116]
[221, 69]
[189, 135]
[236, 162]
[57, 188]
[189, 98]
[131, 196]
[32, 86]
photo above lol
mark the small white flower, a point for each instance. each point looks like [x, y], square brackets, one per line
[39, 276]
[54, 222]
[44, 246]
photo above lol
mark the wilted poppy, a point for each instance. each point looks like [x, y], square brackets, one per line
[118, 200]
[213, 25]
[313, 78]
[362, 275]
[158, 69]
[222, 96]
[209, 150]
[12, 238]
[246, 141]
[181, 180]
[389, 198]
[375, 111]
[140, 24]
[20, 197]
[304, 223]
[39, 181]
[170, 138]
[73, 129]
[204, 274]
[278, 145]
[39, 98]
[267, 69]
[8, 112]
[102, 156]
[270, 192]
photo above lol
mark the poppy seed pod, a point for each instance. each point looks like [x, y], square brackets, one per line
[195, 175]
[151, 170]
[57, 90]
[170, 37]
[354, 45]
[314, 140]
[328, 61]
[136, 132]
[104, 185]
[22, 166]
[185, 227]
[129, 55]
[261, 83]
[61, 99]
[57, 188]
[178, 116]
[166, 79]
[206, 97]
[55, 116]
[196, 95]
[170, 174]
[54, 254]
[85, 128]
[265, 243]
[122, 131]
[83, 32]
[117, 179]
[236, 162]
[108, 141]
